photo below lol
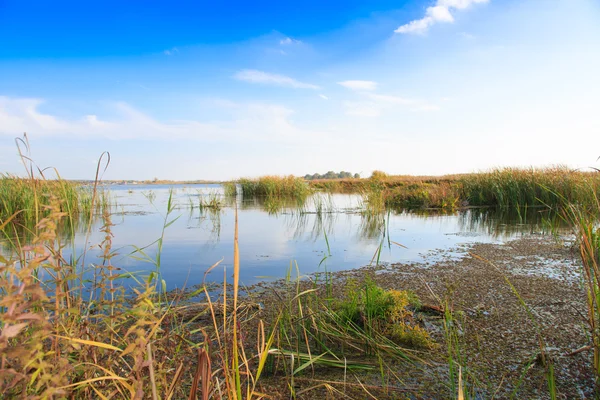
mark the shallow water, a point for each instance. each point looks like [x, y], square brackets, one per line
[339, 237]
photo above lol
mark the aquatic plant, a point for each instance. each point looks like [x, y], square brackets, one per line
[211, 201]
[230, 188]
[585, 222]
[29, 198]
[517, 187]
[275, 187]
[505, 187]
[388, 312]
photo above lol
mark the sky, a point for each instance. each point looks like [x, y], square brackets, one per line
[226, 89]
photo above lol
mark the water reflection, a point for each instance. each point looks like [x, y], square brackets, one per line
[19, 233]
[274, 233]
[505, 222]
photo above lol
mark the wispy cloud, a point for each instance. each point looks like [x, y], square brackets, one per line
[289, 41]
[323, 97]
[359, 85]
[362, 109]
[376, 104]
[412, 104]
[171, 51]
[440, 12]
[255, 76]
[248, 121]
[385, 98]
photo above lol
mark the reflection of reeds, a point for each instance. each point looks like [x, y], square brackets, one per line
[497, 222]
[273, 205]
[214, 217]
[372, 225]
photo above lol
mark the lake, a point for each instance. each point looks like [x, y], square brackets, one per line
[331, 232]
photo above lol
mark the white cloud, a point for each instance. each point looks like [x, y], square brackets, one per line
[170, 52]
[255, 76]
[289, 41]
[323, 97]
[359, 85]
[467, 35]
[377, 104]
[384, 98]
[362, 109]
[440, 12]
[249, 121]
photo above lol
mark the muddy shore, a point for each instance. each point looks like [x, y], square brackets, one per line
[499, 337]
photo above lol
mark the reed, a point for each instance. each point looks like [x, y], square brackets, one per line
[211, 201]
[25, 201]
[31, 197]
[515, 187]
[275, 187]
[230, 189]
[441, 195]
[585, 224]
[554, 187]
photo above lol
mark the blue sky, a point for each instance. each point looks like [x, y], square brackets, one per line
[218, 90]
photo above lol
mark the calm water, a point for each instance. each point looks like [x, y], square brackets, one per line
[341, 234]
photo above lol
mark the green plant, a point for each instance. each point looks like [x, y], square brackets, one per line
[230, 189]
[387, 312]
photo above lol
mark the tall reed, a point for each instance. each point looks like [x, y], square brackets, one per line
[275, 187]
[517, 187]
[586, 223]
[29, 198]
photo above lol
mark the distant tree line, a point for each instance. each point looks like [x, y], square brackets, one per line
[331, 175]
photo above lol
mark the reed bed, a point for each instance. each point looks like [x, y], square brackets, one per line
[554, 187]
[210, 200]
[24, 201]
[516, 187]
[230, 189]
[30, 197]
[275, 187]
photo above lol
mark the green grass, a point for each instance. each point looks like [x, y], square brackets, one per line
[385, 312]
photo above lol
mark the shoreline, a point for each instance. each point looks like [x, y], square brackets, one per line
[498, 336]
